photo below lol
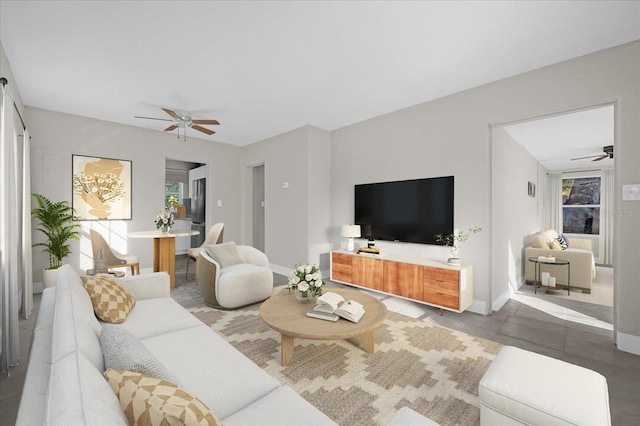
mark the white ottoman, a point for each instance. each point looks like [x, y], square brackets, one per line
[522, 387]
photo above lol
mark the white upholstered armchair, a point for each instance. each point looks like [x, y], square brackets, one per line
[232, 276]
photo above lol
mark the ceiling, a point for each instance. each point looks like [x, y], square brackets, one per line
[554, 141]
[263, 68]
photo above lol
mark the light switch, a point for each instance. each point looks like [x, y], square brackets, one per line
[631, 192]
[219, 203]
[285, 185]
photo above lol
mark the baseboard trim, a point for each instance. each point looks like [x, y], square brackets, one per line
[280, 270]
[501, 300]
[478, 307]
[628, 343]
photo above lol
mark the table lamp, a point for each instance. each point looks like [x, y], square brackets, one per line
[350, 232]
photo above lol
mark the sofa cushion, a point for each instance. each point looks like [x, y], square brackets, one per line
[79, 395]
[75, 327]
[111, 302]
[216, 372]
[122, 351]
[148, 400]
[226, 254]
[268, 410]
[158, 316]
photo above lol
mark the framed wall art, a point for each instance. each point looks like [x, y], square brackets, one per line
[531, 189]
[101, 188]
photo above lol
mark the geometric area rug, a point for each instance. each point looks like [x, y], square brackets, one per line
[431, 369]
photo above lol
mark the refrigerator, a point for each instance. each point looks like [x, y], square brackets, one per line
[198, 211]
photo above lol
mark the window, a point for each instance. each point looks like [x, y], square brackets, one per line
[581, 205]
[172, 194]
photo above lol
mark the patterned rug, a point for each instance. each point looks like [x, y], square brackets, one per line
[432, 369]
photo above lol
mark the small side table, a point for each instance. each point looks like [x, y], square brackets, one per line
[560, 262]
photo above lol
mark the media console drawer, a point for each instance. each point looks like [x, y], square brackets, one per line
[422, 280]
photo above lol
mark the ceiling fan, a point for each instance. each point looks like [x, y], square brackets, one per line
[608, 153]
[182, 121]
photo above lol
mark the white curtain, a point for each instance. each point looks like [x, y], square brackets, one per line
[15, 229]
[607, 216]
[554, 202]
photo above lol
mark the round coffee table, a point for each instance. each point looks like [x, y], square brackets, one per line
[286, 315]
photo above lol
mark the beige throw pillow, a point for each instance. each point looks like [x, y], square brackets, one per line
[111, 302]
[151, 401]
[226, 254]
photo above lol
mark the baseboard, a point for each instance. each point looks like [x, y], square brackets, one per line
[500, 300]
[478, 307]
[282, 270]
[628, 343]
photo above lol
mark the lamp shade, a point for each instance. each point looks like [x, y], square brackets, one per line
[350, 231]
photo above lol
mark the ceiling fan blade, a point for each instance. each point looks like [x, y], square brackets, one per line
[602, 157]
[170, 128]
[202, 129]
[172, 113]
[152, 118]
[584, 158]
[205, 121]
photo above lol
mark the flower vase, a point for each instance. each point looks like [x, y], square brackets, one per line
[303, 297]
[165, 229]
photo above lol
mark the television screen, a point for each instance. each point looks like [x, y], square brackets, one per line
[411, 211]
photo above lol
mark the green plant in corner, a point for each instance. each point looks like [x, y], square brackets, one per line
[57, 224]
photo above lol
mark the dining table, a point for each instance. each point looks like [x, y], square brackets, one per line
[164, 249]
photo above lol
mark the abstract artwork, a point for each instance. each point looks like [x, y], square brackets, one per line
[101, 188]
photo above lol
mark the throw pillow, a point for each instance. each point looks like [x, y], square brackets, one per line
[123, 351]
[150, 401]
[111, 302]
[226, 254]
[555, 245]
[564, 243]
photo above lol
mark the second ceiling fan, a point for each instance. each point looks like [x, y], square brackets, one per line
[184, 120]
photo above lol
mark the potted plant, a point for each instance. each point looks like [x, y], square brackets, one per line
[57, 224]
[453, 241]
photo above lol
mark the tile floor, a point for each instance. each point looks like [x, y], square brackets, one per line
[575, 332]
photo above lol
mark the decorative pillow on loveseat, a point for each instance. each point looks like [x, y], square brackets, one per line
[564, 242]
[111, 302]
[226, 254]
[123, 351]
[151, 401]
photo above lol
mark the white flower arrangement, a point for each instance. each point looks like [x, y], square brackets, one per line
[164, 219]
[307, 280]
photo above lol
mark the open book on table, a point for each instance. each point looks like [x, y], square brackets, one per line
[333, 303]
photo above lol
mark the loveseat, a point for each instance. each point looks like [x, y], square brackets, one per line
[65, 385]
[579, 253]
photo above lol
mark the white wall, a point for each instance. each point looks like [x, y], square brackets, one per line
[448, 136]
[297, 217]
[451, 136]
[56, 136]
[515, 214]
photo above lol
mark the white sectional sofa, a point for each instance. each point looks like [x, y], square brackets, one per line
[65, 384]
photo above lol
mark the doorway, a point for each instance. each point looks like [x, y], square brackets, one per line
[547, 152]
[258, 208]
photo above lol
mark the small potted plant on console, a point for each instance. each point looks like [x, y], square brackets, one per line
[453, 241]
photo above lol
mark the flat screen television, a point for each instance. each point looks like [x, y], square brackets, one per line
[411, 211]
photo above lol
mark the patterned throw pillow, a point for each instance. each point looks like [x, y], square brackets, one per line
[564, 243]
[150, 401]
[111, 302]
[555, 245]
[123, 351]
